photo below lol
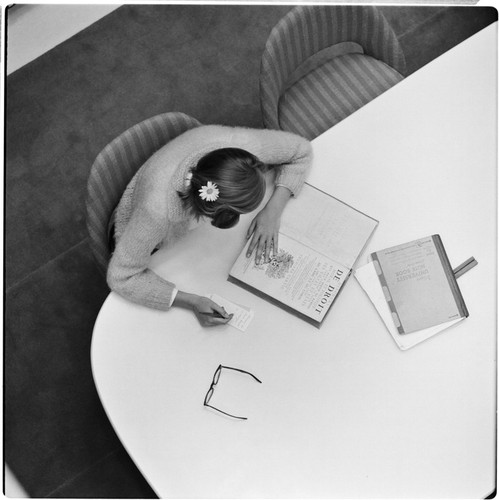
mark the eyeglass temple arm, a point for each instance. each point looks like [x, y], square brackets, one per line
[242, 371]
[225, 413]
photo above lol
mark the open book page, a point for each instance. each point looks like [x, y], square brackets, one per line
[368, 279]
[417, 285]
[327, 225]
[298, 277]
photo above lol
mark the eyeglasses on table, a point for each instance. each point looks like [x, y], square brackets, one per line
[211, 390]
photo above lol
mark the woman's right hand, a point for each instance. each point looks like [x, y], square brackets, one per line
[208, 313]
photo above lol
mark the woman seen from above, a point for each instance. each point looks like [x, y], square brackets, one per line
[209, 172]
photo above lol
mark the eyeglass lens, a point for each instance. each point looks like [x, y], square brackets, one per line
[211, 390]
[216, 377]
[209, 394]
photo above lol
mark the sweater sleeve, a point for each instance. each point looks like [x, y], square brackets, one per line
[128, 273]
[290, 153]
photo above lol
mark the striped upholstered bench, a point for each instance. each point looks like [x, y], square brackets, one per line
[322, 63]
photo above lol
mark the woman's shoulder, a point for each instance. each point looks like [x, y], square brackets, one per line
[205, 130]
[201, 137]
[263, 136]
[220, 133]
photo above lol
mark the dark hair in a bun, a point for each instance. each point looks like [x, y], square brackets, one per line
[239, 178]
[225, 218]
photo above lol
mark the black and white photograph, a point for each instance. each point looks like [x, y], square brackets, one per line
[250, 250]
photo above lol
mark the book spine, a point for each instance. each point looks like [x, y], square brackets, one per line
[458, 297]
[386, 292]
[273, 300]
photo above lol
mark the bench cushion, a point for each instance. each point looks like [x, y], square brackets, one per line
[333, 91]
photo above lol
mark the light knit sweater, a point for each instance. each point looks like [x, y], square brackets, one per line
[153, 214]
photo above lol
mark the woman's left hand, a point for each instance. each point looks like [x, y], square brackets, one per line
[265, 226]
[265, 231]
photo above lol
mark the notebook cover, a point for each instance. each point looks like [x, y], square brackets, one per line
[418, 284]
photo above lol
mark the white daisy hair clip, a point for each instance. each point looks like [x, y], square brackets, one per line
[209, 192]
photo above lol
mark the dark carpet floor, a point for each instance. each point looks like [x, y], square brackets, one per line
[62, 109]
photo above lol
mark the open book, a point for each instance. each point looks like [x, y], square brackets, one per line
[414, 289]
[320, 239]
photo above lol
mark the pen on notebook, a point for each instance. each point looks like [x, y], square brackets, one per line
[214, 314]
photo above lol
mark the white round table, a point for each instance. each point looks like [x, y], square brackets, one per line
[341, 411]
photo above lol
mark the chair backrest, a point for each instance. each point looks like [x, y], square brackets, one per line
[116, 165]
[306, 30]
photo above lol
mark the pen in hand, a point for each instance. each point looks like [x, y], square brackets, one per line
[208, 312]
[214, 314]
[214, 318]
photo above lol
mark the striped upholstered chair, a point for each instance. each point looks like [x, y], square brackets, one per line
[115, 167]
[322, 63]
